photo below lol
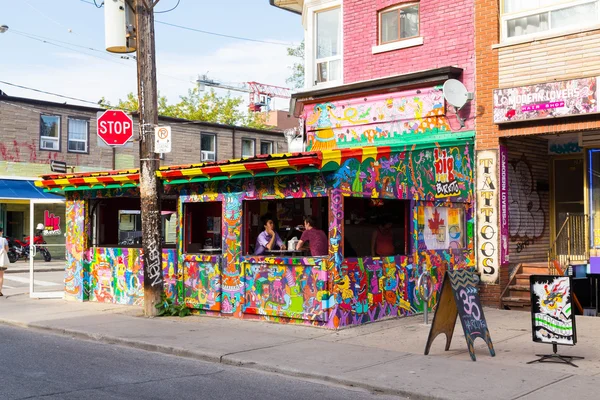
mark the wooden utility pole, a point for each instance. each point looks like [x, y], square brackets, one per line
[150, 186]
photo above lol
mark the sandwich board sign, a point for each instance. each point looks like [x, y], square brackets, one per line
[552, 317]
[460, 298]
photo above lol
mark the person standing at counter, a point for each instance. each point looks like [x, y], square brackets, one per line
[316, 238]
[268, 239]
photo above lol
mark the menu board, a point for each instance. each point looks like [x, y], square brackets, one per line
[460, 298]
[552, 317]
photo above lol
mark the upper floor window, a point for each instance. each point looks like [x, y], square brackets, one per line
[328, 51]
[522, 18]
[77, 135]
[208, 147]
[247, 148]
[266, 147]
[50, 132]
[397, 23]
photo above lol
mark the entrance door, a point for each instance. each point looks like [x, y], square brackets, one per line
[47, 248]
[568, 189]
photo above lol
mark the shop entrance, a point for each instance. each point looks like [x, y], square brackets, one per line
[568, 189]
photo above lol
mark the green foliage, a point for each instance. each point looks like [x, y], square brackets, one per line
[166, 308]
[297, 77]
[200, 106]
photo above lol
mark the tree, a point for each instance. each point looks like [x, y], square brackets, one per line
[297, 77]
[197, 106]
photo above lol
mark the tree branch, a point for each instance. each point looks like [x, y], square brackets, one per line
[155, 3]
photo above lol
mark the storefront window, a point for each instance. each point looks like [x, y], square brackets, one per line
[288, 222]
[202, 227]
[117, 222]
[594, 178]
[375, 227]
[441, 228]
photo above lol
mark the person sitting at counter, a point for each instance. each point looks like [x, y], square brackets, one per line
[268, 239]
[316, 238]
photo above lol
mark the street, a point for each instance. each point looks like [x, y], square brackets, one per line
[35, 365]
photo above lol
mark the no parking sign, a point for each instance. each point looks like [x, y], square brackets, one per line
[162, 139]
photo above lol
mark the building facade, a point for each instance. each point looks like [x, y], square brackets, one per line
[374, 72]
[35, 132]
[537, 137]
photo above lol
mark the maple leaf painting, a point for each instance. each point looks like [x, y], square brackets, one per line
[435, 222]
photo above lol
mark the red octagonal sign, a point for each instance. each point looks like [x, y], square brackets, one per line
[115, 127]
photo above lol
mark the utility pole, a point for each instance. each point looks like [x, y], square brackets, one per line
[150, 186]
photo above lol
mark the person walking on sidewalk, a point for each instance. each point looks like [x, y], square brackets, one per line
[3, 258]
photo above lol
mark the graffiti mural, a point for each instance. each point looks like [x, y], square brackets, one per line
[75, 274]
[375, 120]
[487, 216]
[406, 175]
[202, 282]
[527, 217]
[116, 275]
[287, 287]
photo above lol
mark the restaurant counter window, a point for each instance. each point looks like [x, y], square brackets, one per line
[288, 218]
[202, 227]
[375, 227]
[441, 228]
[117, 222]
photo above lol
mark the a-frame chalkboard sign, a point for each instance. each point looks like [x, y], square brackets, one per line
[459, 297]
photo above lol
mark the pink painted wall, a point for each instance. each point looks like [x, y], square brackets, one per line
[447, 28]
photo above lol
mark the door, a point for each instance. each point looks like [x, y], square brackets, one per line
[47, 248]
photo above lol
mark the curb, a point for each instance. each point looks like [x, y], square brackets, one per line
[226, 359]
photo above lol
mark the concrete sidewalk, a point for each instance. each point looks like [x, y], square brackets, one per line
[386, 356]
[22, 266]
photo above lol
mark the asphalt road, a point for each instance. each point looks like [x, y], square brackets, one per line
[39, 365]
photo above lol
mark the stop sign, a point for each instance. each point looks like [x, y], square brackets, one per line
[115, 127]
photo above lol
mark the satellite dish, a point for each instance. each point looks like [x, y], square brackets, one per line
[457, 95]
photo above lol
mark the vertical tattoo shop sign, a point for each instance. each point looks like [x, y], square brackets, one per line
[487, 215]
[503, 161]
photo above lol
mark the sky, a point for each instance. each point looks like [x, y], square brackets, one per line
[75, 63]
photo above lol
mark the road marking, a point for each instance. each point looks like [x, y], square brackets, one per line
[26, 280]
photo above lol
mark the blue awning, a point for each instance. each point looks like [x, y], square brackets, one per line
[17, 189]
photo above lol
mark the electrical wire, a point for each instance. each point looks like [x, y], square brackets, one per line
[52, 94]
[187, 28]
[166, 11]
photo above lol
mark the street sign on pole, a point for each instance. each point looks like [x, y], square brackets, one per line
[59, 167]
[162, 139]
[115, 127]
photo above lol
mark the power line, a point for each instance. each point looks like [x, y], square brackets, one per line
[166, 11]
[187, 28]
[50, 93]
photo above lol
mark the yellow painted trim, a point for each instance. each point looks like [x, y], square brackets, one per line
[15, 201]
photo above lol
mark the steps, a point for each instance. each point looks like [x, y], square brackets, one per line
[518, 296]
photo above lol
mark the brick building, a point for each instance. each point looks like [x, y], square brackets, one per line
[34, 132]
[374, 71]
[537, 137]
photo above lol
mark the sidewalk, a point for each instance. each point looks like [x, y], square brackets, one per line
[22, 266]
[386, 356]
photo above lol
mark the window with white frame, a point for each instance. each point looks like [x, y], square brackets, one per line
[50, 132]
[523, 18]
[247, 148]
[208, 147]
[328, 45]
[77, 133]
[266, 147]
[398, 23]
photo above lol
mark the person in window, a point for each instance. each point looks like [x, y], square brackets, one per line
[382, 240]
[268, 239]
[316, 238]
